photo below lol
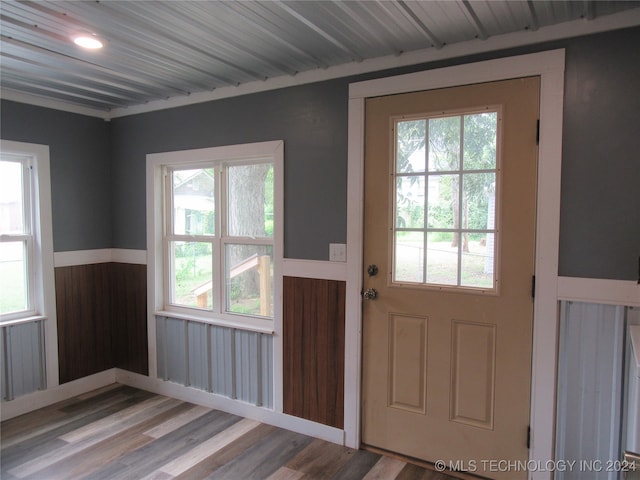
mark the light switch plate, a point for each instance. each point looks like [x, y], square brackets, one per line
[338, 252]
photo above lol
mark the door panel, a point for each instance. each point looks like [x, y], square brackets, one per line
[407, 362]
[473, 363]
[446, 368]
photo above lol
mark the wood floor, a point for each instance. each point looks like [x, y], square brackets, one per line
[123, 433]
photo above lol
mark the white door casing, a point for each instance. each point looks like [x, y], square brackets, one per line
[550, 67]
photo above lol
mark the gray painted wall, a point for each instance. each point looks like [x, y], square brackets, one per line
[600, 212]
[600, 208]
[312, 121]
[81, 186]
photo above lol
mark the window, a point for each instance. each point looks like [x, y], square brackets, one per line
[16, 247]
[446, 173]
[219, 232]
[26, 252]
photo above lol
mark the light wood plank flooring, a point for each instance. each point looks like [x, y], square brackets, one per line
[119, 432]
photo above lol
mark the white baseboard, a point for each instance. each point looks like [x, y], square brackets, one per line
[229, 405]
[33, 401]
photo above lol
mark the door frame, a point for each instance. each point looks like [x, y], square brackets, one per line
[549, 66]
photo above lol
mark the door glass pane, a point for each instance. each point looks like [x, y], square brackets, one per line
[249, 279]
[410, 202]
[480, 133]
[442, 258]
[194, 202]
[478, 261]
[11, 198]
[250, 198]
[443, 197]
[410, 146]
[13, 275]
[444, 144]
[192, 281]
[409, 257]
[478, 210]
[460, 190]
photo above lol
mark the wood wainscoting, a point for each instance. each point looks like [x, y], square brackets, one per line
[101, 312]
[129, 313]
[313, 336]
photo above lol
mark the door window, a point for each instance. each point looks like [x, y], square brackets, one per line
[446, 182]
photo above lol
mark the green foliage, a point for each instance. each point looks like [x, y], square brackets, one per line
[410, 139]
[475, 136]
[268, 203]
[444, 143]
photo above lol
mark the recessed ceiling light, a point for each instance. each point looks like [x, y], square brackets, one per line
[88, 41]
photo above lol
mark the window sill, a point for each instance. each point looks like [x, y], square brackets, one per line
[17, 321]
[261, 326]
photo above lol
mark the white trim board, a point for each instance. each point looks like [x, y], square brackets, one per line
[318, 269]
[291, 267]
[103, 255]
[33, 401]
[595, 290]
[550, 67]
[575, 28]
[201, 397]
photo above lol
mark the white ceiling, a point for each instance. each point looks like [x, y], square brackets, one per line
[181, 51]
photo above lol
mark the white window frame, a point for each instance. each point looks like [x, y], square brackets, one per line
[27, 236]
[40, 271]
[157, 269]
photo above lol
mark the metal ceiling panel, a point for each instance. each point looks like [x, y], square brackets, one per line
[161, 49]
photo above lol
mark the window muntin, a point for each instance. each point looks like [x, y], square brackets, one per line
[446, 171]
[219, 237]
[17, 282]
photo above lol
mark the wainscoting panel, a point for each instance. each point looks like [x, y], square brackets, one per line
[101, 310]
[198, 361]
[22, 359]
[221, 355]
[129, 313]
[590, 387]
[231, 362]
[85, 340]
[313, 350]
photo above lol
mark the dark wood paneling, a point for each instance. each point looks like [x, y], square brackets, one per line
[102, 321]
[129, 311]
[313, 334]
[83, 298]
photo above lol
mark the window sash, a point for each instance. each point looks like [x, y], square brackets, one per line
[218, 242]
